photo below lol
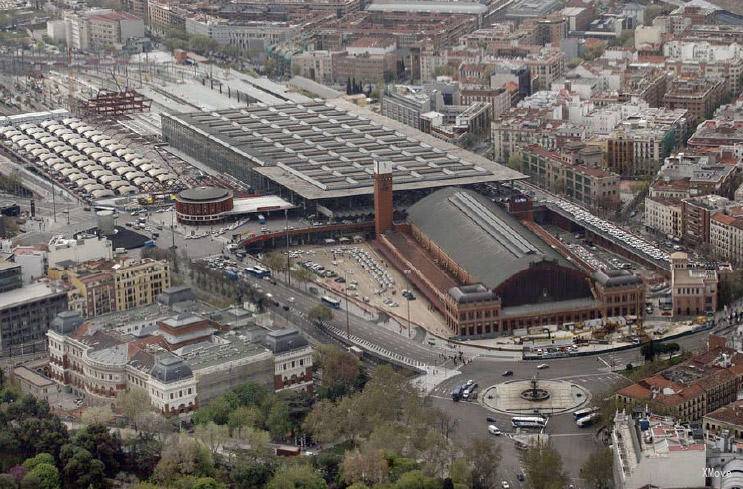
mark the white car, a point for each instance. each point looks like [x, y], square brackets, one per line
[494, 430]
[505, 485]
[542, 366]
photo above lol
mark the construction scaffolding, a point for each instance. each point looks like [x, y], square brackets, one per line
[111, 103]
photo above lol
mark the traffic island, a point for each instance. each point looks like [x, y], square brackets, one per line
[531, 396]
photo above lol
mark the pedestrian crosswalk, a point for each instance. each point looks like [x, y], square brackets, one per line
[369, 346]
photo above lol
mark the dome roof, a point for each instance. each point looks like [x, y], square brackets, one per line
[169, 368]
[66, 322]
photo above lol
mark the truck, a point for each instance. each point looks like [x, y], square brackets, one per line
[287, 451]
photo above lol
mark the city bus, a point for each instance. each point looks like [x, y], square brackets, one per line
[587, 420]
[331, 302]
[585, 412]
[258, 271]
[528, 422]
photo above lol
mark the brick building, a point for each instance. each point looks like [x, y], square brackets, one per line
[700, 96]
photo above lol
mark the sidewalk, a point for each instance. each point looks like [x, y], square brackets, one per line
[433, 377]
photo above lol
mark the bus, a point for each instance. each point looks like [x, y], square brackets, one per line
[585, 412]
[258, 271]
[587, 420]
[331, 302]
[528, 422]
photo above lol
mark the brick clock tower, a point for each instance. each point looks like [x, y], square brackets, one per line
[382, 196]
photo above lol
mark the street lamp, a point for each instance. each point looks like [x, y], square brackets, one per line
[407, 272]
[348, 317]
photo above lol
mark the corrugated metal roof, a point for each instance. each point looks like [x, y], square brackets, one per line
[483, 239]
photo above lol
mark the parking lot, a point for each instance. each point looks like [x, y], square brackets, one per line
[368, 278]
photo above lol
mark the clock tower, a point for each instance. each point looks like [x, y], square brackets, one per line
[382, 196]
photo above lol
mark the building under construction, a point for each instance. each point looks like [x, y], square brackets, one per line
[111, 103]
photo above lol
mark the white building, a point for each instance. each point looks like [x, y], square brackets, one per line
[57, 30]
[726, 237]
[84, 248]
[655, 452]
[292, 359]
[103, 363]
[96, 28]
[664, 216]
[33, 262]
[247, 35]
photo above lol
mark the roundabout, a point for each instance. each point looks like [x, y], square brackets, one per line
[535, 396]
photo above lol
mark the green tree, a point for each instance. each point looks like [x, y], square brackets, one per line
[367, 466]
[483, 458]
[8, 482]
[278, 422]
[183, 456]
[97, 415]
[47, 475]
[244, 416]
[515, 162]
[80, 468]
[207, 483]
[102, 444]
[275, 260]
[543, 467]
[296, 477]
[416, 480]
[320, 313]
[133, 403]
[251, 474]
[41, 458]
[340, 371]
[212, 435]
[598, 469]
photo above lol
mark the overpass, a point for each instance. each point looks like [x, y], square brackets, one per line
[310, 234]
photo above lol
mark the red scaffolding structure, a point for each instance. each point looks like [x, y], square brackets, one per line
[110, 103]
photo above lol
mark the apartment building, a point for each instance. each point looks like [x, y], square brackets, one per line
[655, 451]
[499, 99]
[696, 216]
[520, 127]
[688, 59]
[406, 104]
[26, 313]
[664, 216]
[641, 141]
[546, 67]
[591, 186]
[82, 248]
[316, 65]
[97, 28]
[693, 290]
[114, 29]
[700, 96]
[690, 390]
[92, 290]
[11, 276]
[726, 237]
[166, 15]
[251, 36]
[138, 282]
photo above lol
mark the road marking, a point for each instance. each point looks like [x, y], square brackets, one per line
[569, 434]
